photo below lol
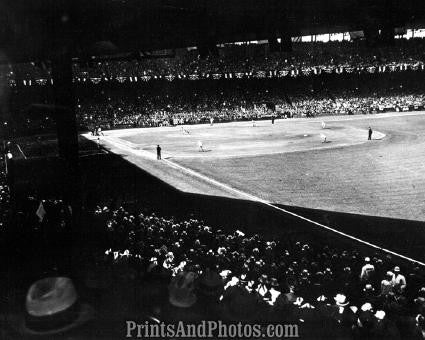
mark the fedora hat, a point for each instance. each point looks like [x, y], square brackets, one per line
[181, 290]
[52, 306]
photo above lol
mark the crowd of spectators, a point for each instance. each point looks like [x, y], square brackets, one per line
[183, 270]
[329, 291]
[164, 103]
[240, 61]
[350, 102]
[222, 99]
[181, 104]
[185, 102]
[251, 59]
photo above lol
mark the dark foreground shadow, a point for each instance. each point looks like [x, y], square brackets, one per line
[108, 179]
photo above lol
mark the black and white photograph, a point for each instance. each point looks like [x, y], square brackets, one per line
[212, 169]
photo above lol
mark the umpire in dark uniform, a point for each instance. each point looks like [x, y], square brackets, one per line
[370, 134]
[158, 152]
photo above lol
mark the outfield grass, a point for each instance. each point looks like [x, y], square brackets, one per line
[286, 163]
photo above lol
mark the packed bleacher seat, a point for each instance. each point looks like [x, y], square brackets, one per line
[164, 103]
[241, 61]
[251, 59]
[243, 82]
[185, 102]
[329, 290]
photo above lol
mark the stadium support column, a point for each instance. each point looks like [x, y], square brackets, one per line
[64, 114]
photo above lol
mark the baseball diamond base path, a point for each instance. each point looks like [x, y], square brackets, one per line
[287, 163]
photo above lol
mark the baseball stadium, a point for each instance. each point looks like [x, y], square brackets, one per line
[171, 166]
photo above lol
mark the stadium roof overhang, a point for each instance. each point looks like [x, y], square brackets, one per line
[31, 30]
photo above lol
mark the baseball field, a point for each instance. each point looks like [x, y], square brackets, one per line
[289, 163]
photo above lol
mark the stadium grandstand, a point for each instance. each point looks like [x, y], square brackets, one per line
[212, 169]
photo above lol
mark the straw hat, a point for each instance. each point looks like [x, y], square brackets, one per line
[52, 306]
[341, 300]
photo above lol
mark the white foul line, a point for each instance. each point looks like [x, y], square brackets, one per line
[260, 200]
[20, 150]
